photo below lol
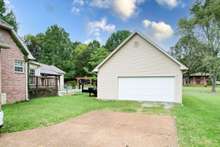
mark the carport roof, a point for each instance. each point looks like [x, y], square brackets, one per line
[182, 67]
[48, 69]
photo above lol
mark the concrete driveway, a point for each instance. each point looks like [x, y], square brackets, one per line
[100, 129]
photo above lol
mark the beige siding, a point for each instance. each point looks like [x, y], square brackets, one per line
[141, 59]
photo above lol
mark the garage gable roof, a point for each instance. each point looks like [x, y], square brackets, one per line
[182, 67]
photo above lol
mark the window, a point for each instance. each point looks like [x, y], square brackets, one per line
[19, 66]
[32, 72]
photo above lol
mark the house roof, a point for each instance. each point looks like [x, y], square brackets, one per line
[182, 67]
[16, 38]
[48, 69]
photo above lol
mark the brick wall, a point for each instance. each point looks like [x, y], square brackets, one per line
[13, 84]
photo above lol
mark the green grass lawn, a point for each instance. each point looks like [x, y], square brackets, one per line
[46, 111]
[198, 120]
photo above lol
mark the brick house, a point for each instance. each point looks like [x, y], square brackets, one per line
[14, 57]
[197, 79]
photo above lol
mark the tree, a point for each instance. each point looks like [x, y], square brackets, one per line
[54, 47]
[97, 56]
[82, 55]
[213, 66]
[188, 49]
[87, 57]
[34, 44]
[205, 21]
[116, 39]
[94, 44]
[7, 15]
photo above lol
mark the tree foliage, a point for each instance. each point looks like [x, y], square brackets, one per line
[97, 56]
[82, 55]
[7, 15]
[188, 49]
[200, 38]
[116, 39]
[53, 47]
[76, 59]
[34, 44]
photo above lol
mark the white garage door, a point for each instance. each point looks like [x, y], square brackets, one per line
[147, 88]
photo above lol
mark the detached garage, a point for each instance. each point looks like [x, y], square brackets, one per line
[139, 70]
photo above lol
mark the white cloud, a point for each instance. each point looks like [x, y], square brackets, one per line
[158, 30]
[168, 3]
[123, 8]
[79, 2]
[95, 28]
[76, 5]
[101, 25]
[75, 10]
[146, 23]
[101, 3]
[126, 8]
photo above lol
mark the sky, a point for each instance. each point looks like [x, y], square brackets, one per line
[86, 20]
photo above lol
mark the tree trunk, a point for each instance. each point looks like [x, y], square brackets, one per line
[214, 83]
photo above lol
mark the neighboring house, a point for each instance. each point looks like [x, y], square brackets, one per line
[45, 78]
[13, 60]
[196, 79]
[140, 70]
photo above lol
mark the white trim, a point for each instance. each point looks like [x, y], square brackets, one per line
[1, 118]
[182, 67]
[23, 66]
[26, 81]
[30, 56]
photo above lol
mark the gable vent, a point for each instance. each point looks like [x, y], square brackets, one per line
[136, 44]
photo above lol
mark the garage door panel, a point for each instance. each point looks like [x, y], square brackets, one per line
[147, 88]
